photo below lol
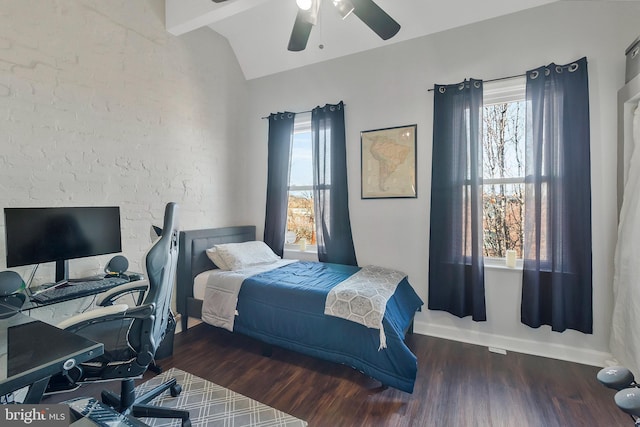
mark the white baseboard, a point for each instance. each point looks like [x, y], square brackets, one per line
[536, 348]
[492, 341]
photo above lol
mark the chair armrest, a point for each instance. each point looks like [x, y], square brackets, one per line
[105, 314]
[99, 313]
[107, 298]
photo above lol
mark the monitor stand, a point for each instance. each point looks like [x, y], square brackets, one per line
[62, 270]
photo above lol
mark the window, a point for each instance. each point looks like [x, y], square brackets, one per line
[300, 213]
[503, 167]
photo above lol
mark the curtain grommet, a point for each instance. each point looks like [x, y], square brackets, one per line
[534, 74]
[442, 89]
[573, 67]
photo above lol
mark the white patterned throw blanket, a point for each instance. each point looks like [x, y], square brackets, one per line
[362, 298]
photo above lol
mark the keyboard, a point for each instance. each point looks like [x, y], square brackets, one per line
[75, 289]
[88, 408]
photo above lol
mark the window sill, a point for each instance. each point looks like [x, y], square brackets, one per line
[502, 267]
[296, 248]
[500, 264]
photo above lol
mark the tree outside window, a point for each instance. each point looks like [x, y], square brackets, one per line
[300, 210]
[503, 170]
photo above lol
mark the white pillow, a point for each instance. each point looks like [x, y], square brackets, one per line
[215, 257]
[236, 256]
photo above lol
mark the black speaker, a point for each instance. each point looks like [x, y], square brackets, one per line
[117, 266]
[155, 233]
[10, 282]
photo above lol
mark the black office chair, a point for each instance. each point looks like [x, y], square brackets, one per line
[131, 336]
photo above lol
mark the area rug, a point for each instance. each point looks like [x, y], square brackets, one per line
[212, 405]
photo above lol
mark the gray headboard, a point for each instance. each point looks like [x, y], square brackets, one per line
[192, 259]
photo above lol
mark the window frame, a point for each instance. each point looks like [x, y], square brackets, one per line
[299, 127]
[512, 89]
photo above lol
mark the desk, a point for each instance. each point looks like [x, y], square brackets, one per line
[32, 351]
[55, 311]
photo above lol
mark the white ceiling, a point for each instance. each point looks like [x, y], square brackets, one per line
[258, 30]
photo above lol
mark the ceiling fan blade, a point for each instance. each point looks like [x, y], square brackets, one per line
[375, 18]
[300, 32]
[218, 1]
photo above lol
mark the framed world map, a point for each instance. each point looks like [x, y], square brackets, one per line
[388, 162]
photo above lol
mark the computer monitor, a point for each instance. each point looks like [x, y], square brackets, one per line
[39, 235]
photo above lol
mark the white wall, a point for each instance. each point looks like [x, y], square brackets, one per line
[99, 105]
[388, 87]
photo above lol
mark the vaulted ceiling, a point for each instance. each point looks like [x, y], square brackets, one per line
[258, 30]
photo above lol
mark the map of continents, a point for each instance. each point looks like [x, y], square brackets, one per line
[389, 161]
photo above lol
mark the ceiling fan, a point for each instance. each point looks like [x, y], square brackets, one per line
[370, 13]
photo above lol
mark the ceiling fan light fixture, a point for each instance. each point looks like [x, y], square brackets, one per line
[304, 4]
[345, 7]
[367, 11]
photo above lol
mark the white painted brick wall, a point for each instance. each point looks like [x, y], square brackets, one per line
[99, 105]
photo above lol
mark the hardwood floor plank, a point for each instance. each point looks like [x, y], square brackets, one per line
[458, 385]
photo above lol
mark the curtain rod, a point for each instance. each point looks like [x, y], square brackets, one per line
[299, 112]
[493, 80]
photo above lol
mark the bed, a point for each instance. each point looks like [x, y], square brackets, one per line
[281, 311]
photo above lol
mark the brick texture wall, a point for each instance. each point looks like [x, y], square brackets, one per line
[99, 105]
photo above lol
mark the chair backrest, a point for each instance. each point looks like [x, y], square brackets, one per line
[160, 265]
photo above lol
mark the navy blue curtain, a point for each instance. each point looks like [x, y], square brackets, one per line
[456, 264]
[330, 194]
[279, 150]
[557, 272]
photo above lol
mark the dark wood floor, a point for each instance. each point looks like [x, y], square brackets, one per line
[458, 385]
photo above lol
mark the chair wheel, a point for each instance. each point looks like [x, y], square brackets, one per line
[175, 391]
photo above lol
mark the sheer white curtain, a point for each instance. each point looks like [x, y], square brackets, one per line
[625, 330]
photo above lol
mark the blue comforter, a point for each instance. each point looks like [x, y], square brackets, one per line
[285, 307]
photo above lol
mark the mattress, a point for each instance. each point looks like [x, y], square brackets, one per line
[200, 283]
